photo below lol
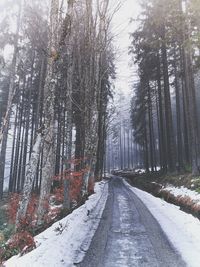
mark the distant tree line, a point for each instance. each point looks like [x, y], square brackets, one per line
[165, 106]
[122, 152]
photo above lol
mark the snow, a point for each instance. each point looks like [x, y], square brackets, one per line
[182, 229]
[67, 248]
[77, 229]
[184, 192]
[140, 170]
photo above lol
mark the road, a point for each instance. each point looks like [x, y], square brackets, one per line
[128, 235]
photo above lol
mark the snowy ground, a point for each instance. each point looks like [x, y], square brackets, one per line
[56, 250]
[183, 192]
[182, 229]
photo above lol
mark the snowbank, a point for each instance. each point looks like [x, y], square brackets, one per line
[66, 241]
[182, 229]
[183, 192]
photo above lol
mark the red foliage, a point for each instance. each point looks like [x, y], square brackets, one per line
[32, 209]
[13, 206]
[75, 186]
[75, 179]
[29, 220]
[58, 194]
[21, 240]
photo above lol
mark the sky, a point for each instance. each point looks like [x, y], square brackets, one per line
[121, 27]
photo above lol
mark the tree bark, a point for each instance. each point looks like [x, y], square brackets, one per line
[30, 175]
[11, 94]
[168, 110]
[49, 120]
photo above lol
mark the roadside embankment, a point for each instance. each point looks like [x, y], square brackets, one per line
[182, 190]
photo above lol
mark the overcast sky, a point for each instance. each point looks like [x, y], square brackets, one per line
[122, 27]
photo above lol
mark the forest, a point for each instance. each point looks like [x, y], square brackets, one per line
[162, 131]
[57, 68]
[165, 107]
[62, 124]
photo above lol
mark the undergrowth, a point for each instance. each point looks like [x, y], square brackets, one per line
[20, 239]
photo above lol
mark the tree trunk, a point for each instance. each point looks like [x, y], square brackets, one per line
[168, 110]
[178, 116]
[11, 94]
[30, 175]
[163, 151]
[49, 132]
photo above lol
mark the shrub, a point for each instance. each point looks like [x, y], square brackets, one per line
[21, 242]
[7, 252]
[13, 207]
[8, 231]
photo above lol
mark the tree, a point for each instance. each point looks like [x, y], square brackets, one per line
[11, 94]
[73, 97]
[44, 140]
[164, 48]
